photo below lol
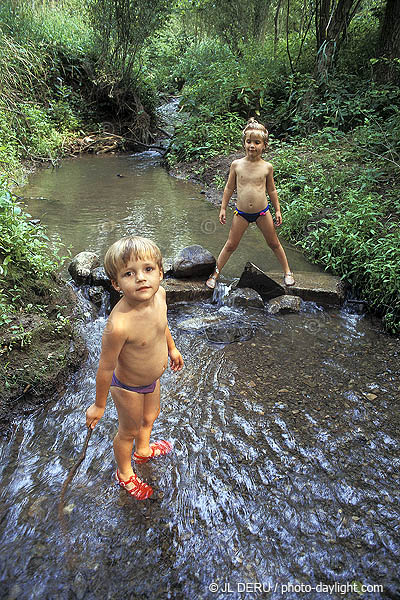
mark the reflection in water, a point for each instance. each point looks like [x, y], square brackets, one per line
[285, 470]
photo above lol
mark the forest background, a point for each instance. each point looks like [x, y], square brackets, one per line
[323, 75]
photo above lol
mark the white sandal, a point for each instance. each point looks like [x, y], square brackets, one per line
[288, 279]
[212, 280]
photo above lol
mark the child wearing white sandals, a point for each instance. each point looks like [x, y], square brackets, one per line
[252, 177]
[136, 344]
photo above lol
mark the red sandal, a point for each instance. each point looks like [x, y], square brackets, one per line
[140, 491]
[163, 447]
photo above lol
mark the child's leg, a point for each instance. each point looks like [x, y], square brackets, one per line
[151, 410]
[267, 228]
[129, 406]
[238, 227]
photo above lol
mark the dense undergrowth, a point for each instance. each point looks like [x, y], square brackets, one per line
[345, 215]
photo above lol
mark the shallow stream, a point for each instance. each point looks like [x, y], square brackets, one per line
[284, 478]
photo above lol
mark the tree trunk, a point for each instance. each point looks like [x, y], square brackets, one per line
[332, 19]
[389, 45]
[276, 27]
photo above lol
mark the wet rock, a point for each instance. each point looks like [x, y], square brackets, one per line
[179, 290]
[168, 264]
[100, 277]
[81, 266]
[244, 297]
[218, 328]
[252, 277]
[323, 288]
[193, 261]
[226, 333]
[283, 304]
[79, 586]
[95, 294]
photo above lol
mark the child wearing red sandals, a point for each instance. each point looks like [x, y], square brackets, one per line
[135, 348]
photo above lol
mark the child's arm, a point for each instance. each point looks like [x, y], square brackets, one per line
[273, 195]
[112, 343]
[174, 354]
[228, 191]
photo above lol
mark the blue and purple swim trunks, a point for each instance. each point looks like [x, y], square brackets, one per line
[146, 389]
[251, 217]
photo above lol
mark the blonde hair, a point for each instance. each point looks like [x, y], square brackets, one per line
[118, 255]
[253, 125]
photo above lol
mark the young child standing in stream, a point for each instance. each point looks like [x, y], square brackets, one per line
[135, 347]
[253, 178]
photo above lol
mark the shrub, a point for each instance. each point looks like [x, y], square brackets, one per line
[25, 257]
[197, 139]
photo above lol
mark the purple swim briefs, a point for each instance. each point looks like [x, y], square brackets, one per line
[147, 389]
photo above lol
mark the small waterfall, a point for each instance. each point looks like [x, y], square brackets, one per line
[221, 290]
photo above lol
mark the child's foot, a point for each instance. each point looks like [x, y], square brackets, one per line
[160, 448]
[288, 279]
[135, 487]
[212, 280]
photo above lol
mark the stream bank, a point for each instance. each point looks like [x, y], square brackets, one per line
[39, 349]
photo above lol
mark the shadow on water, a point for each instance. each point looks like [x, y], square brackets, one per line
[285, 472]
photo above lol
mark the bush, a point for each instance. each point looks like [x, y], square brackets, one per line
[337, 214]
[25, 257]
[197, 139]
[210, 72]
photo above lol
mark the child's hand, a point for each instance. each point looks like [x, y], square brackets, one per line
[278, 218]
[222, 216]
[93, 415]
[176, 359]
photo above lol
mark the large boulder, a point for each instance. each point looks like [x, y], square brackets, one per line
[100, 277]
[193, 261]
[81, 267]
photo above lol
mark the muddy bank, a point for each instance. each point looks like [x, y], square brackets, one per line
[40, 348]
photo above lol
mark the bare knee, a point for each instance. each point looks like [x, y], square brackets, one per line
[231, 246]
[148, 420]
[127, 434]
[274, 244]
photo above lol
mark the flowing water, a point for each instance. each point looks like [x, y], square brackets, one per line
[284, 479]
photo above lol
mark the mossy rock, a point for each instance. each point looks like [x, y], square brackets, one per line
[39, 351]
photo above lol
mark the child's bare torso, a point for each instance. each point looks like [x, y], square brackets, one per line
[251, 184]
[144, 356]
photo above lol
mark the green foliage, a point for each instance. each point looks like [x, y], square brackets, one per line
[201, 140]
[161, 57]
[210, 72]
[25, 257]
[40, 49]
[121, 28]
[338, 215]
[235, 23]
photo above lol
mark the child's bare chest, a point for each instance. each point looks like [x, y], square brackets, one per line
[147, 332]
[253, 176]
